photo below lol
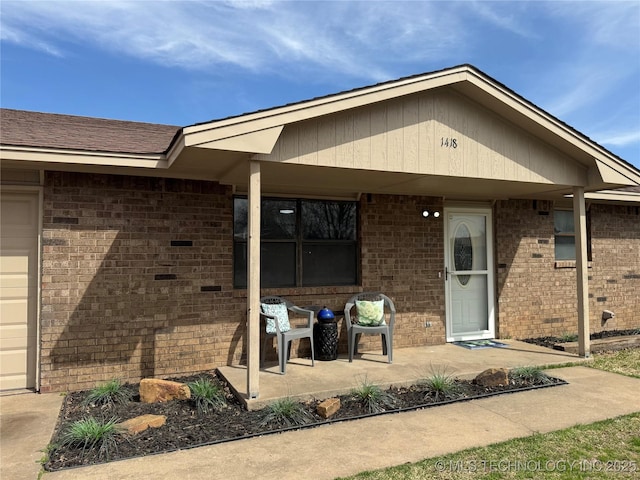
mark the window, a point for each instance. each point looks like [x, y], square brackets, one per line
[303, 242]
[565, 236]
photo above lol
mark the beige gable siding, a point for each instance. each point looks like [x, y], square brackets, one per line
[407, 135]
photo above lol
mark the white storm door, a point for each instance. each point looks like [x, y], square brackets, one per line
[469, 274]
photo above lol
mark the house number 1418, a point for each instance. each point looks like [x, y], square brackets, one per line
[448, 142]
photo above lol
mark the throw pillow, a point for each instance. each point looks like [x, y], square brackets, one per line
[280, 312]
[370, 314]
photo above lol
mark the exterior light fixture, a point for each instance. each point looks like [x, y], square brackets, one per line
[426, 213]
[436, 214]
[287, 211]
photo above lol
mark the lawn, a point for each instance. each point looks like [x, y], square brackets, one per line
[625, 362]
[607, 449]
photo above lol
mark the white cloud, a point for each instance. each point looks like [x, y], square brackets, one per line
[580, 86]
[506, 15]
[610, 23]
[354, 38]
[620, 139]
[19, 37]
[577, 60]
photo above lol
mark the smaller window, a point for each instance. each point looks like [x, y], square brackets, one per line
[565, 235]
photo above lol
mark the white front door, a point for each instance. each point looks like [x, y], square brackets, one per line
[469, 274]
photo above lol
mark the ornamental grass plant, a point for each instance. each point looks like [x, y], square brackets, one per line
[530, 375]
[286, 412]
[372, 397]
[207, 395]
[92, 436]
[109, 393]
[440, 384]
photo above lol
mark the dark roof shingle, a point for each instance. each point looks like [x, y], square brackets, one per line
[69, 132]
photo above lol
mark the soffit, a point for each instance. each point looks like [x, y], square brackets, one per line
[305, 180]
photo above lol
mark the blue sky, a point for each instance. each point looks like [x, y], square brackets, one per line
[186, 62]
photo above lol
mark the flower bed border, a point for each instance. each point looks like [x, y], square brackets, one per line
[555, 383]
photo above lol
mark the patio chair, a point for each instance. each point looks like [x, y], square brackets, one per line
[275, 311]
[375, 314]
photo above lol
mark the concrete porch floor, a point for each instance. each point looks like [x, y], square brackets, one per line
[330, 378]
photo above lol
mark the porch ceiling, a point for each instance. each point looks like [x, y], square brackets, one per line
[231, 168]
[304, 179]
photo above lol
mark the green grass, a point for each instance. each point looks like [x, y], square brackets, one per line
[625, 362]
[286, 412]
[109, 393]
[207, 395]
[580, 452]
[46, 455]
[92, 435]
[372, 397]
[601, 450]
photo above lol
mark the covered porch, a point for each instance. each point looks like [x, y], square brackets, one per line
[330, 378]
[456, 141]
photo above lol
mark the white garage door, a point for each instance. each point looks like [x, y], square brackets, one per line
[18, 289]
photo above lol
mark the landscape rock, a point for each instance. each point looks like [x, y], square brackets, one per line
[153, 390]
[493, 377]
[328, 407]
[141, 423]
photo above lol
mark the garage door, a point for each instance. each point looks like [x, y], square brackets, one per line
[18, 289]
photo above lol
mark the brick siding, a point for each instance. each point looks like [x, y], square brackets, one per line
[537, 298]
[137, 276]
[135, 279]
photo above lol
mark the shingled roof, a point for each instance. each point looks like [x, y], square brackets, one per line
[68, 132]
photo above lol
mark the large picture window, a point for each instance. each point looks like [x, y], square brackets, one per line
[303, 242]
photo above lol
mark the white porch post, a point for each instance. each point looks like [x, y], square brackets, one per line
[253, 282]
[582, 280]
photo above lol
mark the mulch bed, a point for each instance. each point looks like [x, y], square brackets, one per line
[551, 342]
[185, 428]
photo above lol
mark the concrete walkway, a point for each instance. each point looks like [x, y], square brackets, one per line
[27, 421]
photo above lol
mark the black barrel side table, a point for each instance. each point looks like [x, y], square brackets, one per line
[325, 340]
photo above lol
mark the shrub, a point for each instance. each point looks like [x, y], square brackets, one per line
[286, 412]
[109, 393]
[91, 434]
[530, 376]
[372, 397]
[207, 395]
[568, 337]
[441, 385]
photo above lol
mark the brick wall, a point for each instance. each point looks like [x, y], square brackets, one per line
[614, 282]
[402, 254]
[137, 277]
[537, 298]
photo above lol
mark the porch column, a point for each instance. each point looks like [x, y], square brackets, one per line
[253, 281]
[580, 224]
